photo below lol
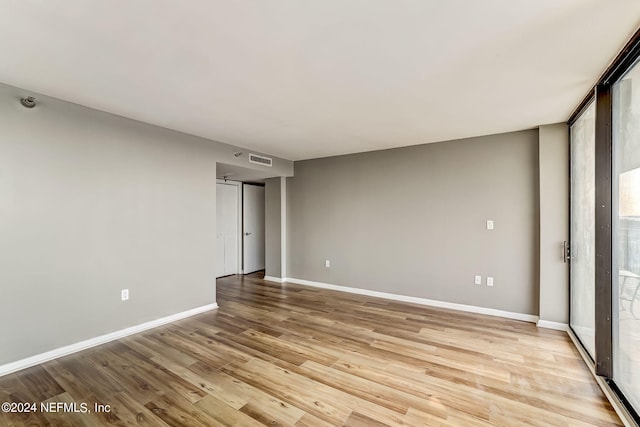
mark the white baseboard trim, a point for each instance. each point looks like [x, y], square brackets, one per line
[548, 324]
[102, 339]
[273, 279]
[415, 300]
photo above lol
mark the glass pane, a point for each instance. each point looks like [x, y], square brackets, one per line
[626, 277]
[583, 228]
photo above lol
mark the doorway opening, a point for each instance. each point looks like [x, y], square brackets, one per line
[240, 221]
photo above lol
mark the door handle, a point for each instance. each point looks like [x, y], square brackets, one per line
[566, 252]
[247, 233]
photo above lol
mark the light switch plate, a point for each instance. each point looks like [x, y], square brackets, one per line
[489, 281]
[489, 224]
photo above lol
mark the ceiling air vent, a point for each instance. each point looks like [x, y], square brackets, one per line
[260, 160]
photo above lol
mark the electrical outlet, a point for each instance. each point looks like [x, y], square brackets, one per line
[489, 281]
[327, 263]
[478, 280]
[124, 294]
[489, 224]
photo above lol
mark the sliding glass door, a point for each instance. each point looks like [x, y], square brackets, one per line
[582, 245]
[626, 235]
[605, 228]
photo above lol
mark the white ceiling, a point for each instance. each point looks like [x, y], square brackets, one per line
[311, 78]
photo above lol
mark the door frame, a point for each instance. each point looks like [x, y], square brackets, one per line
[238, 185]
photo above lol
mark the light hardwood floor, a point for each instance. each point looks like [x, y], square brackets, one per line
[293, 355]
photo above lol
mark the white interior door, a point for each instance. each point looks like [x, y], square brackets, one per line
[253, 221]
[227, 239]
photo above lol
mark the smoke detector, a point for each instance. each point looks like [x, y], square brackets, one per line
[28, 102]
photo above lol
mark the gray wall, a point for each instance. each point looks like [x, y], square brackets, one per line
[272, 236]
[554, 222]
[92, 203]
[412, 221]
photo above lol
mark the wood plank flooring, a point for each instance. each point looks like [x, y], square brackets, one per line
[289, 355]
